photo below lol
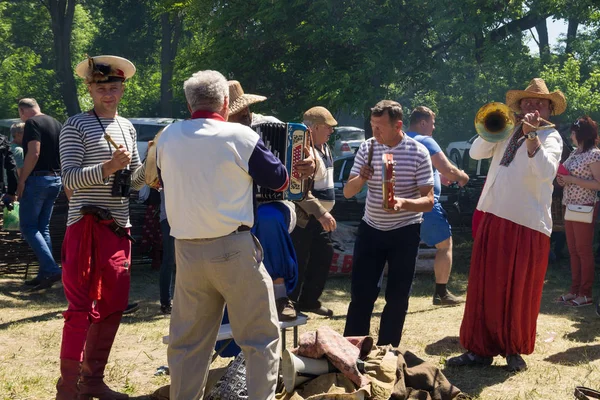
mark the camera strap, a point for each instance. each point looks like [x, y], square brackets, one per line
[107, 134]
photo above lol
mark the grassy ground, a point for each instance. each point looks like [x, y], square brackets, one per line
[567, 351]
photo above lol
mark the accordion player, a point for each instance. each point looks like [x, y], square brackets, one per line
[287, 142]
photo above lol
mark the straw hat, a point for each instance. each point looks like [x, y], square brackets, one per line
[238, 100]
[105, 69]
[319, 115]
[537, 89]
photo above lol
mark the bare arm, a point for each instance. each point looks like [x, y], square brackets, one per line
[354, 185]
[449, 170]
[31, 159]
[422, 204]
[593, 184]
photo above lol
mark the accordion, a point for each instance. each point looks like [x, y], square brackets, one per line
[286, 142]
[389, 180]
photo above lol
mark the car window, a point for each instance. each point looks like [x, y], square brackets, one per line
[147, 132]
[485, 166]
[347, 169]
[352, 135]
[470, 165]
[337, 168]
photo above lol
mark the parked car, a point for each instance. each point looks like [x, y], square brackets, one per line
[347, 140]
[457, 150]
[346, 209]
[146, 129]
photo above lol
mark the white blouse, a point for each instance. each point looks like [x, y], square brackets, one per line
[522, 191]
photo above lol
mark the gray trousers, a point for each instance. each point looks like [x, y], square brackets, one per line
[210, 273]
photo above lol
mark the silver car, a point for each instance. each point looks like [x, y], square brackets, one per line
[347, 140]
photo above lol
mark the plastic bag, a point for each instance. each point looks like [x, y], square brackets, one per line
[11, 218]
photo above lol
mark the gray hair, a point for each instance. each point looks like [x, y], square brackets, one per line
[19, 127]
[206, 90]
[28, 103]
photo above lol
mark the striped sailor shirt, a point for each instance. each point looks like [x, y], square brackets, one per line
[83, 150]
[412, 170]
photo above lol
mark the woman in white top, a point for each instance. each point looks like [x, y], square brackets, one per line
[581, 183]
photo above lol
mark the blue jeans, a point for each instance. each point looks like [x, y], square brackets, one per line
[35, 210]
[168, 263]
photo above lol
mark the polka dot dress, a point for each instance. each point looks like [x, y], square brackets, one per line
[578, 165]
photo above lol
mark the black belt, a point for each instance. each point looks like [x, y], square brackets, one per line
[243, 228]
[45, 173]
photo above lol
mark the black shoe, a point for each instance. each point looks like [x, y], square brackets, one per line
[447, 300]
[46, 283]
[33, 282]
[131, 308]
[166, 308]
[469, 359]
[324, 311]
[515, 363]
[285, 309]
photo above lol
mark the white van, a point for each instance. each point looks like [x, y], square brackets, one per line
[146, 129]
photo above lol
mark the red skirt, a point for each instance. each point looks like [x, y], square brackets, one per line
[508, 266]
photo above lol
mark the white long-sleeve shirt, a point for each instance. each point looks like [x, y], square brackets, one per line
[522, 191]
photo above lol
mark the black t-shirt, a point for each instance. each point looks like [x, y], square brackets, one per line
[45, 130]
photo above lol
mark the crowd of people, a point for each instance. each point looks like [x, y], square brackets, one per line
[266, 260]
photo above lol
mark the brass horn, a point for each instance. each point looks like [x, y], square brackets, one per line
[495, 122]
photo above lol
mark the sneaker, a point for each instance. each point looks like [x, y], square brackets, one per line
[469, 359]
[447, 300]
[515, 363]
[166, 308]
[324, 311]
[46, 283]
[131, 308]
[285, 309]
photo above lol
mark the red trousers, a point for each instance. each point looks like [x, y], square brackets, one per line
[508, 266]
[580, 240]
[111, 259]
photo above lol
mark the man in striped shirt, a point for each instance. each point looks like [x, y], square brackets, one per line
[95, 260]
[390, 236]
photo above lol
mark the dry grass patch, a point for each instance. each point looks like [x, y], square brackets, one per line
[567, 350]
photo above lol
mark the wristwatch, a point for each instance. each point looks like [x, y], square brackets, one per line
[531, 135]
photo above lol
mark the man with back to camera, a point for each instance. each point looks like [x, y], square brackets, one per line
[435, 228]
[219, 261]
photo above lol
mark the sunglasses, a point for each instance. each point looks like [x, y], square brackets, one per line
[577, 123]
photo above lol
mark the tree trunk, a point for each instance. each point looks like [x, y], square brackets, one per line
[571, 34]
[171, 25]
[61, 15]
[544, 44]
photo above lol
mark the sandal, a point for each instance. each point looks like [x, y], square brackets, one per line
[583, 393]
[566, 297]
[580, 302]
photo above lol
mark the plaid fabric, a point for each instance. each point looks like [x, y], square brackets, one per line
[338, 350]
